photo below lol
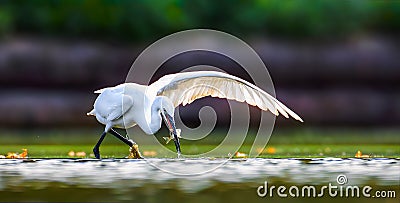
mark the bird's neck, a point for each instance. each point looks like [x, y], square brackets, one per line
[155, 117]
[159, 104]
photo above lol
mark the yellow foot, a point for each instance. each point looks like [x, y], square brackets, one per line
[134, 152]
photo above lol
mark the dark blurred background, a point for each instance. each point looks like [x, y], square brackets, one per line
[336, 63]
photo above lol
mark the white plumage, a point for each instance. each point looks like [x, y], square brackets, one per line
[184, 88]
[128, 104]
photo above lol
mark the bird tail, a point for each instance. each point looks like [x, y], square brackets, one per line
[91, 113]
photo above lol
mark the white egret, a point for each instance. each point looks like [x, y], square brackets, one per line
[130, 104]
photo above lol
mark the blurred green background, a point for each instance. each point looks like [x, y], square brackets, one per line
[135, 21]
[335, 63]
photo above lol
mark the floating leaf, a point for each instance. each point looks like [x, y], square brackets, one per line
[271, 150]
[149, 153]
[240, 155]
[24, 154]
[360, 155]
[71, 153]
[268, 150]
[80, 154]
[13, 155]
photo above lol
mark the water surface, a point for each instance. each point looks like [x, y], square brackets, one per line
[128, 179]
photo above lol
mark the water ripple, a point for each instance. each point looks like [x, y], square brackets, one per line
[109, 173]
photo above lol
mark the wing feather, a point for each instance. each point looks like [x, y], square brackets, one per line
[239, 94]
[184, 88]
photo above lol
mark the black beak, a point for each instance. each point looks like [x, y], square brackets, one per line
[170, 123]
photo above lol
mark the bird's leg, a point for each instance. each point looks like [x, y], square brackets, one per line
[170, 123]
[120, 137]
[97, 146]
[134, 147]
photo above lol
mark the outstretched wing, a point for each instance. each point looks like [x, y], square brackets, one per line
[184, 88]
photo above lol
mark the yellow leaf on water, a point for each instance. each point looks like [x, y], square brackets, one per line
[271, 150]
[240, 155]
[80, 154]
[13, 155]
[71, 153]
[149, 153]
[360, 155]
[268, 150]
[24, 154]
